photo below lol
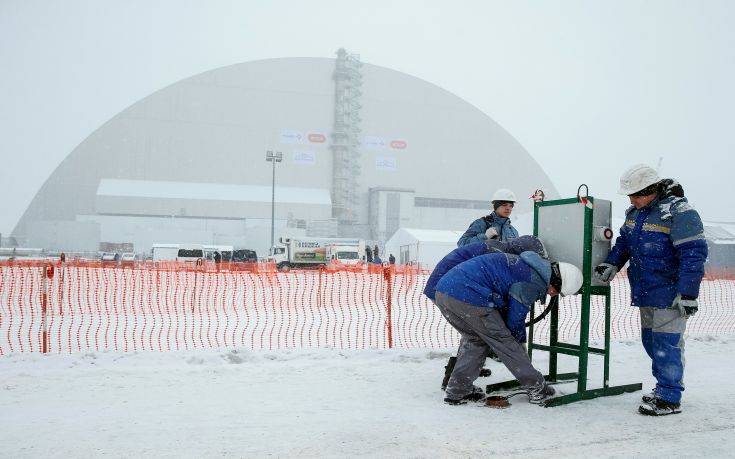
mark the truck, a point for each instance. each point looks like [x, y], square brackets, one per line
[304, 252]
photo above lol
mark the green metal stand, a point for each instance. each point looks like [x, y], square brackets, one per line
[583, 349]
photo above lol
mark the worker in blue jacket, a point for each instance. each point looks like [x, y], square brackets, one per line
[486, 299]
[494, 226]
[466, 252]
[663, 239]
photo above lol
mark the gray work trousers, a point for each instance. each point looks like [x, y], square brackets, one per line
[482, 329]
[662, 334]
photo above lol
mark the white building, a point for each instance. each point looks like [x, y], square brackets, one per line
[419, 246]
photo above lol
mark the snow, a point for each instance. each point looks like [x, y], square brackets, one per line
[334, 403]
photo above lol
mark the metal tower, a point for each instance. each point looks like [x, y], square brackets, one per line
[345, 136]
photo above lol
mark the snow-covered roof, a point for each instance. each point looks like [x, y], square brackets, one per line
[717, 233]
[211, 191]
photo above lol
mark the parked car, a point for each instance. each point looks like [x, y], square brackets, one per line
[244, 256]
[110, 256]
[128, 258]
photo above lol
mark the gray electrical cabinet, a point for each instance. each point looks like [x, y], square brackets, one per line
[567, 234]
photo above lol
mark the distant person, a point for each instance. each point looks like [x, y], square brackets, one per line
[663, 239]
[392, 259]
[217, 257]
[496, 225]
[375, 251]
[377, 260]
[486, 299]
[369, 254]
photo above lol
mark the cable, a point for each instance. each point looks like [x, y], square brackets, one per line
[554, 302]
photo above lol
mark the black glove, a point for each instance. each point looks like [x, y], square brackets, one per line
[604, 272]
[687, 305]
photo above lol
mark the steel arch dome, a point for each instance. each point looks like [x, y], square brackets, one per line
[215, 127]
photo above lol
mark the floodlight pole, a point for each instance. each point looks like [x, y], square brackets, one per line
[274, 158]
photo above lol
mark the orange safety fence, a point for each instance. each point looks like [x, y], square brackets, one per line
[153, 306]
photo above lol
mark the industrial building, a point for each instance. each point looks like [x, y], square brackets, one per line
[364, 150]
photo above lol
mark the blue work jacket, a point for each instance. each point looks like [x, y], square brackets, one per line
[665, 245]
[466, 252]
[510, 283]
[476, 231]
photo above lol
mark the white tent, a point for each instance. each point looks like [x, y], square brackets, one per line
[428, 247]
[421, 246]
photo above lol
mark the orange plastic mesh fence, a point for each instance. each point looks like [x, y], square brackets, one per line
[93, 306]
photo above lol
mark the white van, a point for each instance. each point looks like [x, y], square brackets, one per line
[190, 253]
[225, 252]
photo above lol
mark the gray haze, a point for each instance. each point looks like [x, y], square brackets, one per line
[587, 88]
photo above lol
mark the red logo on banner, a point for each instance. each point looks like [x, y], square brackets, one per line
[398, 144]
[317, 138]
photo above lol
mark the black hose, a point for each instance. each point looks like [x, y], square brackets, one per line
[554, 302]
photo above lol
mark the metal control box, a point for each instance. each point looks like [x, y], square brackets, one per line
[569, 232]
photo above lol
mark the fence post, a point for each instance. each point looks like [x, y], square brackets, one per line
[389, 304]
[48, 273]
[62, 260]
[197, 267]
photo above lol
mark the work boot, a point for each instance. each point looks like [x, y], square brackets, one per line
[649, 397]
[659, 407]
[539, 393]
[476, 395]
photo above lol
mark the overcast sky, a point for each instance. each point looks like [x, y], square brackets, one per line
[587, 87]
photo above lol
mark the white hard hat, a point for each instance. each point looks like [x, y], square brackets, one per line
[504, 194]
[571, 278]
[637, 178]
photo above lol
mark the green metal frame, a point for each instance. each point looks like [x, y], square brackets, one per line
[583, 349]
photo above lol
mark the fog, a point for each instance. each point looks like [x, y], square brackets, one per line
[587, 88]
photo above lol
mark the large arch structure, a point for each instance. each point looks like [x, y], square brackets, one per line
[192, 155]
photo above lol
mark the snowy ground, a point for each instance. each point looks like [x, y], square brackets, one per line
[330, 403]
